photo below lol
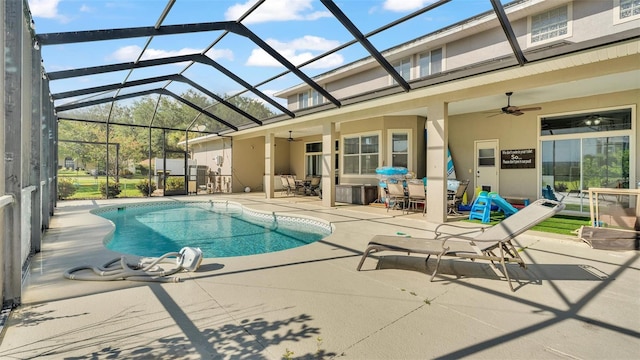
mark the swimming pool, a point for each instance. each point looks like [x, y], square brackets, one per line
[218, 228]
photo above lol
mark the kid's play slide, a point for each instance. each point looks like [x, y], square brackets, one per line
[502, 204]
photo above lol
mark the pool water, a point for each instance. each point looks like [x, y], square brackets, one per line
[219, 230]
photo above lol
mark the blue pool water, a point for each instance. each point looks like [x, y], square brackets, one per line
[218, 229]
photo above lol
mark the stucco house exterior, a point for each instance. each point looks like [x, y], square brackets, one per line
[580, 81]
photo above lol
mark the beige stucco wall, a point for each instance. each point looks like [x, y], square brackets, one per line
[248, 164]
[206, 154]
[521, 132]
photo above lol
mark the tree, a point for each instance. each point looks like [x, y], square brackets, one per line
[161, 112]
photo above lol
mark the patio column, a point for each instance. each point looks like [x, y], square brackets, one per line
[328, 165]
[11, 238]
[269, 164]
[437, 140]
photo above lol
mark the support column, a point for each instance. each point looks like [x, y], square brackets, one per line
[10, 254]
[36, 139]
[269, 164]
[328, 165]
[437, 142]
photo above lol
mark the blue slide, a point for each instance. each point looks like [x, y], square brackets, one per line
[502, 204]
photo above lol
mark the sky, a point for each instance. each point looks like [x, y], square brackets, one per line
[298, 29]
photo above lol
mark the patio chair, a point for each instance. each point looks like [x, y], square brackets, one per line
[312, 187]
[295, 186]
[417, 195]
[454, 198]
[549, 194]
[395, 195]
[286, 187]
[492, 244]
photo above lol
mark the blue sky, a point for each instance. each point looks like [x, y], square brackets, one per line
[297, 29]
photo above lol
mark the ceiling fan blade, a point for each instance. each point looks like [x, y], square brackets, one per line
[531, 109]
[516, 113]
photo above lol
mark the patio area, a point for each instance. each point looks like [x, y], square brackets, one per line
[310, 302]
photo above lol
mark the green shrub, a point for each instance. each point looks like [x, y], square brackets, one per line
[145, 188]
[126, 173]
[66, 188]
[561, 187]
[114, 189]
[174, 183]
[142, 170]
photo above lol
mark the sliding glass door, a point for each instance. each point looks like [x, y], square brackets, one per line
[586, 150]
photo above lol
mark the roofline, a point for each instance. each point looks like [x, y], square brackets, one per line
[436, 38]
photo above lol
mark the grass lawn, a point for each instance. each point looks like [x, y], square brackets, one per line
[559, 224]
[87, 186]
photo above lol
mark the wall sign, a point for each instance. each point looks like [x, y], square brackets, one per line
[518, 159]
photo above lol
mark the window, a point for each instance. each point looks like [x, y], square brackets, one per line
[486, 157]
[606, 120]
[430, 62]
[625, 10]
[313, 159]
[361, 154]
[303, 100]
[316, 98]
[69, 163]
[309, 98]
[577, 153]
[551, 25]
[403, 67]
[399, 141]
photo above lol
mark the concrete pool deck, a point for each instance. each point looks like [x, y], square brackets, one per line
[310, 302]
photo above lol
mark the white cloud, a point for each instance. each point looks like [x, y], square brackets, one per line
[86, 8]
[297, 52]
[405, 5]
[47, 9]
[220, 54]
[131, 53]
[44, 8]
[279, 10]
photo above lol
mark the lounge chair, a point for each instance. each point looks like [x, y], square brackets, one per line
[489, 243]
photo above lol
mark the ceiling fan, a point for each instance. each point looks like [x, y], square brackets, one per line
[596, 119]
[290, 138]
[514, 110]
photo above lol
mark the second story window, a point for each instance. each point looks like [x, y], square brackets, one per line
[316, 98]
[430, 62]
[403, 67]
[309, 98]
[303, 100]
[550, 25]
[626, 10]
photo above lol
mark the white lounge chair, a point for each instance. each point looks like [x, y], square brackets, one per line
[490, 243]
